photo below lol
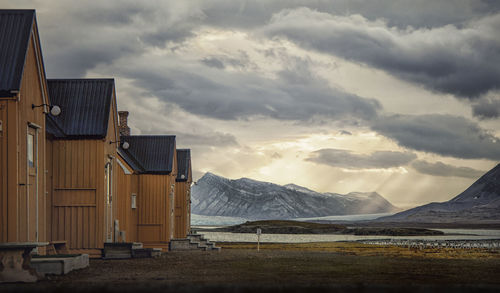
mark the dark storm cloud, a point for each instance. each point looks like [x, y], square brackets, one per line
[445, 135]
[240, 60]
[78, 36]
[349, 160]
[295, 94]
[245, 14]
[109, 13]
[74, 62]
[462, 61]
[487, 108]
[445, 170]
[215, 139]
[213, 62]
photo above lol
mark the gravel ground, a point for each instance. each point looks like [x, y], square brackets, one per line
[244, 270]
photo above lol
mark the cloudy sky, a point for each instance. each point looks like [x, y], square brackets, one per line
[399, 97]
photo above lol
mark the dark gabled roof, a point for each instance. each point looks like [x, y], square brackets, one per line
[85, 105]
[183, 164]
[149, 154]
[52, 128]
[15, 32]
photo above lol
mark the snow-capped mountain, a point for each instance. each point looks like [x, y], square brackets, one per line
[218, 196]
[478, 203]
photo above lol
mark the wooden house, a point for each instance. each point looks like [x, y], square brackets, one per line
[24, 103]
[81, 156]
[146, 190]
[183, 194]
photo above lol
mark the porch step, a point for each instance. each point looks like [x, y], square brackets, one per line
[146, 252]
[193, 242]
[117, 250]
[59, 264]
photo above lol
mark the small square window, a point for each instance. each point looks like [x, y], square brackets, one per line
[133, 201]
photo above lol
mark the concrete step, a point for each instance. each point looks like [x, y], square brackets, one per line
[117, 250]
[59, 264]
[194, 237]
[201, 243]
[182, 244]
[137, 245]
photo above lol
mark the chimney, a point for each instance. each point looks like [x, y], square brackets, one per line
[124, 129]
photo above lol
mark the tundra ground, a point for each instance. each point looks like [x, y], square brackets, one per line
[322, 267]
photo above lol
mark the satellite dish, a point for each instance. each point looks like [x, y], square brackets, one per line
[55, 110]
[125, 145]
[182, 176]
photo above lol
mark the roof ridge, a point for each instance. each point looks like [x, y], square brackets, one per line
[82, 79]
[150, 135]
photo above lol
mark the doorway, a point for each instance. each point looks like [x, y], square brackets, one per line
[32, 161]
[108, 173]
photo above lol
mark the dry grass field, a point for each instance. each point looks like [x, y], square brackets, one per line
[316, 267]
[360, 249]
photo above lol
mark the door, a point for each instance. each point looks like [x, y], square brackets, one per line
[32, 184]
[188, 208]
[172, 210]
[109, 201]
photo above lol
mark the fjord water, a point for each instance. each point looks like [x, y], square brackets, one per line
[451, 234]
[207, 222]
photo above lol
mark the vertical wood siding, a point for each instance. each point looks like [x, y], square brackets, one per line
[127, 217]
[16, 114]
[77, 192]
[155, 208]
[79, 188]
[182, 209]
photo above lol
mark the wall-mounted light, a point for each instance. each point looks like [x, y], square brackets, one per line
[54, 109]
[125, 145]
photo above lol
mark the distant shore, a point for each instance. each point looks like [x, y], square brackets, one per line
[296, 227]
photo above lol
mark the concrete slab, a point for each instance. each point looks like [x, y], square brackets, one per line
[60, 264]
[117, 250]
[15, 260]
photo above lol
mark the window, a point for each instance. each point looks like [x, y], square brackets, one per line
[31, 153]
[134, 200]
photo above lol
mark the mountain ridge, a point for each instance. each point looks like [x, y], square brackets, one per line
[480, 202]
[214, 195]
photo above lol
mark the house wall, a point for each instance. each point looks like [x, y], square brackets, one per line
[182, 209]
[23, 210]
[79, 199]
[78, 193]
[111, 155]
[155, 205]
[48, 187]
[126, 215]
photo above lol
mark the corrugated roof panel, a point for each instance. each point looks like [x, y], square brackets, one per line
[15, 32]
[136, 166]
[183, 164]
[153, 153]
[52, 127]
[85, 105]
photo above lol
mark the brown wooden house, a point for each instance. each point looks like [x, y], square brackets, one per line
[183, 194]
[146, 189]
[23, 106]
[81, 156]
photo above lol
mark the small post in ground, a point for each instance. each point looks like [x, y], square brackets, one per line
[259, 231]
